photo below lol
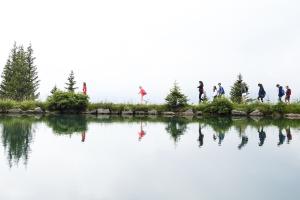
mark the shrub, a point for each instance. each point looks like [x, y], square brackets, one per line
[221, 106]
[27, 105]
[67, 102]
[6, 104]
[176, 99]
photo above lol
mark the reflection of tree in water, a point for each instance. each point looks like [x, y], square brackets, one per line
[176, 127]
[16, 138]
[241, 129]
[65, 124]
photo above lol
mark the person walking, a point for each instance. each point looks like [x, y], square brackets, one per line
[215, 92]
[221, 91]
[281, 92]
[84, 88]
[201, 91]
[261, 93]
[142, 93]
[288, 94]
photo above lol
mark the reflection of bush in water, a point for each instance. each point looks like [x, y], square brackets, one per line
[16, 138]
[67, 124]
[219, 125]
[176, 127]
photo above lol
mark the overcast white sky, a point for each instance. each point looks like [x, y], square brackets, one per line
[117, 45]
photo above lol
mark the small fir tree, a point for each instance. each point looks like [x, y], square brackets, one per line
[71, 83]
[238, 89]
[175, 98]
[54, 90]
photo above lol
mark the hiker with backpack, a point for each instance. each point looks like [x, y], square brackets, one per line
[261, 93]
[142, 93]
[201, 91]
[288, 94]
[221, 91]
[281, 92]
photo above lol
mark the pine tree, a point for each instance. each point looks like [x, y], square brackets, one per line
[175, 98]
[32, 79]
[54, 90]
[71, 83]
[238, 89]
[19, 77]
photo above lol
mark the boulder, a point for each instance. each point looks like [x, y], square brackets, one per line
[38, 110]
[115, 112]
[238, 113]
[256, 113]
[189, 112]
[168, 113]
[103, 111]
[292, 116]
[91, 112]
[127, 112]
[152, 112]
[15, 111]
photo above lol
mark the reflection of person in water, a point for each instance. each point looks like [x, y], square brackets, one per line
[244, 142]
[288, 134]
[142, 133]
[281, 137]
[83, 136]
[262, 136]
[221, 137]
[201, 136]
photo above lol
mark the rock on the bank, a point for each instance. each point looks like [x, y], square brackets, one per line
[238, 113]
[38, 110]
[189, 112]
[292, 116]
[103, 111]
[15, 111]
[168, 113]
[127, 112]
[152, 112]
[256, 113]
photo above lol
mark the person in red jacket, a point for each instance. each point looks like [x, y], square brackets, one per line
[288, 94]
[84, 89]
[142, 93]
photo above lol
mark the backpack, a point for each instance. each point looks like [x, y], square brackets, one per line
[281, 92]
[222, 91]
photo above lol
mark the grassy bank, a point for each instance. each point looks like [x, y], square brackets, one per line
[218, 107]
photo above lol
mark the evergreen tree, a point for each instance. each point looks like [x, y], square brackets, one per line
[238, 89]
[175, 98]
[54, 90]
[19, 77]
[71, 83]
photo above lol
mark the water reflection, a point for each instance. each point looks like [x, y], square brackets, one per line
[17, 132]
[176, 127]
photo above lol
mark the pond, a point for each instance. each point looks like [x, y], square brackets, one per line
[89, 157]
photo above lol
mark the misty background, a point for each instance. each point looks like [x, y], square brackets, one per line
[115, 46]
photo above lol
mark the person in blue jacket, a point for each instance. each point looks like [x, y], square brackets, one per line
[261, 93]
[281, 92]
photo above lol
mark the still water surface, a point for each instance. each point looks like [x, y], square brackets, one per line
[68, 157]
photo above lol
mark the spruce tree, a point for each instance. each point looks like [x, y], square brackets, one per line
[71, 83]
[19, 77]
[176, 98]
[238, 89]
[54, 90]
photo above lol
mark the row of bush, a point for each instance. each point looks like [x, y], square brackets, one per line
[75, 102]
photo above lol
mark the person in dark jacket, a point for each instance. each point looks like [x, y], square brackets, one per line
[201, 91]
[261, 93]
[288, 94]
[281, 92]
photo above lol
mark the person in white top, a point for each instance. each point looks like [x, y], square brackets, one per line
[215, 92]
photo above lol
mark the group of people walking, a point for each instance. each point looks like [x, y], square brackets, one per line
[219, 91]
